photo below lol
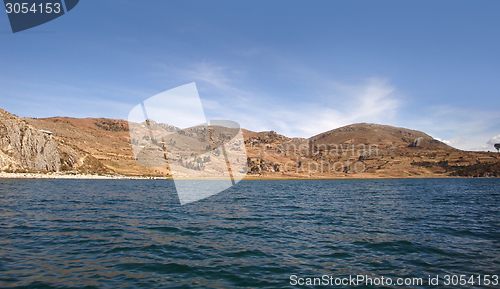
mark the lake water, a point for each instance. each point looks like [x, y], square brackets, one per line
[134, 233]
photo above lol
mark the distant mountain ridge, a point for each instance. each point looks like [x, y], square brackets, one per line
[103, 146]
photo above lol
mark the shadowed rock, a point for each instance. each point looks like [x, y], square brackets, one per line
[417, 142]
[24, 147]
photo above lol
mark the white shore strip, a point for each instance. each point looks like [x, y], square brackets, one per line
[4, 175]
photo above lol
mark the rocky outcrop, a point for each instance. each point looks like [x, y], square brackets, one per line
[23, 147]
[416, 142]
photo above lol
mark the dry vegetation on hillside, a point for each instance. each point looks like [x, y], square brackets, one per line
[354, 151]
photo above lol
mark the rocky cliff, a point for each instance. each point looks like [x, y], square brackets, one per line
[24, 148]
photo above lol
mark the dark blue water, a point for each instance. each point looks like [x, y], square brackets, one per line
[134, 233]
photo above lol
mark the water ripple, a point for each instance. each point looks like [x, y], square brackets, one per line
[134, 234]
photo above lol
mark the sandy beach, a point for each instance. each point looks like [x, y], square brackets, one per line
[4, 175]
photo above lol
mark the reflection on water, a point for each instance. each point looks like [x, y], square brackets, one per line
[130, 233]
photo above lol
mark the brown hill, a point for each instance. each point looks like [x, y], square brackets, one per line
[99, 145]
[388, 151]
[363, 151]
[384, 136]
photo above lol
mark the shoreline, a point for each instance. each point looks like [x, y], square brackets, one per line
[53, 176]
[4, 175]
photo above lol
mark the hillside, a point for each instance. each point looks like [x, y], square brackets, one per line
[384, 136]
[367, 151]
[106, 141]
[103, 146]
[399, 152]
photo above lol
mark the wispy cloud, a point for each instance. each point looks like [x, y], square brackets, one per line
[463, 128]
[210, 74]
[315, 102]
[373, 100]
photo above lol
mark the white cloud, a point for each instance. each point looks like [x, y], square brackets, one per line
[443, 141]
[494, 140]
[452, 142]
[374, 100]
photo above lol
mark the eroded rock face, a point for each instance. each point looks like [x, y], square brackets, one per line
[22, 147]
[417, 142]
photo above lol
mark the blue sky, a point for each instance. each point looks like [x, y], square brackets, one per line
[296, 67]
